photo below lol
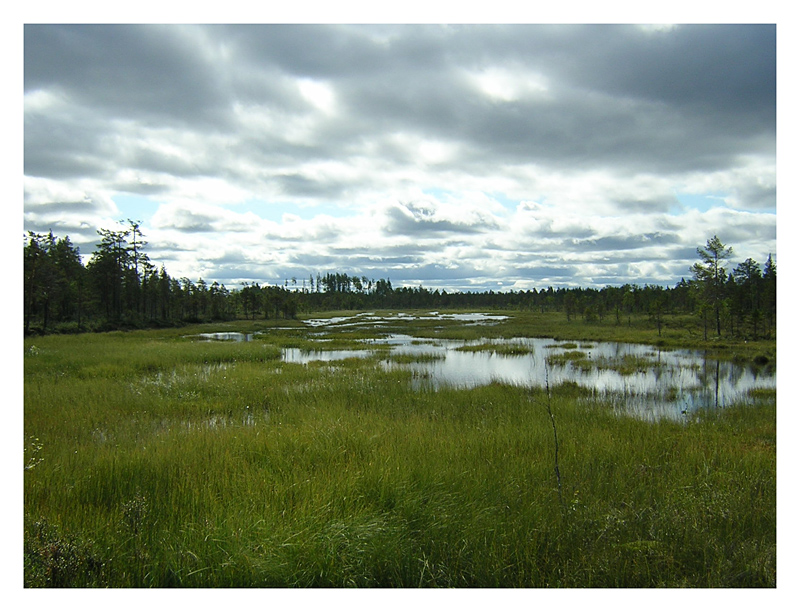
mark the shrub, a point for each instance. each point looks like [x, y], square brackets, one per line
[53, 559]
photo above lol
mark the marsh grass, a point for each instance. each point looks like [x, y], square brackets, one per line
[577, 359]
[509, 349]
[405, 358]
[627, 364]
[155, 461]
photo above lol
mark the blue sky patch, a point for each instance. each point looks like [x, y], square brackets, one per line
[135, 207]
[701, 201]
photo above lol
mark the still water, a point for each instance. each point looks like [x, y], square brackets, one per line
[659, 384]
[235, 336]
[370, 319]
[645, 381]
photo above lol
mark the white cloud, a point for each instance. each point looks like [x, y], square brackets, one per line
[509, 84]
[657, 27]
[320, 94]
[43, 101]
[192, 216]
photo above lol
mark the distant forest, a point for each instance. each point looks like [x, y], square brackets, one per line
[119, 288]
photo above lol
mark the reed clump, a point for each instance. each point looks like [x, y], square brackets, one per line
[513, 348]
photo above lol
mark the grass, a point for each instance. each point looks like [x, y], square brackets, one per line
[499, 349]
[155, 461]
[628, 364]
[625, 365]
[415, 357]
[578, 359]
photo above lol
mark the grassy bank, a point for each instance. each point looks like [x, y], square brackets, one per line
[155, 461]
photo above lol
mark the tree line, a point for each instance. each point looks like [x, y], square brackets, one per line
[120, 288]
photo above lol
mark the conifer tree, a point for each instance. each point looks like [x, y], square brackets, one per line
[710, 274]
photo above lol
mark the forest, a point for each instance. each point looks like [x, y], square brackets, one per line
[120, 288]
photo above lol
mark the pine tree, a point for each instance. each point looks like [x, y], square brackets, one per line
[710, 274]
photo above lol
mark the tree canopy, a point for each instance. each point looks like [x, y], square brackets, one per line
[120, 288]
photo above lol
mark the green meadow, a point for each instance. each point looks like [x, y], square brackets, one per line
[155, 460]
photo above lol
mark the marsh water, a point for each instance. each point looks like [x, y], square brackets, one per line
[646, 381]
[668, 384]
[235, 336]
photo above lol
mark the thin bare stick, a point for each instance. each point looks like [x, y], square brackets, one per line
[555, 438]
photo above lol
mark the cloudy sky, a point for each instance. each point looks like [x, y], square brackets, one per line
[455, 157]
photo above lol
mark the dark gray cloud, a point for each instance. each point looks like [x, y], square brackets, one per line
[299, 185]
[619, 96]
[715, 69]
[149, 72]
[626, 243]
[63, 145]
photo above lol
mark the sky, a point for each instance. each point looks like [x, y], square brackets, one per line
[464, 157]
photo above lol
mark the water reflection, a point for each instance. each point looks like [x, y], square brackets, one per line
[295, 355]
[659, 384]
[371, 319]
[235, 336]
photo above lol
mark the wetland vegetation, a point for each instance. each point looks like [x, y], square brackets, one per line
[158, 458]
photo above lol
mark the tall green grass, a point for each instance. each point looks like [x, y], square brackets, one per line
[155, 461]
